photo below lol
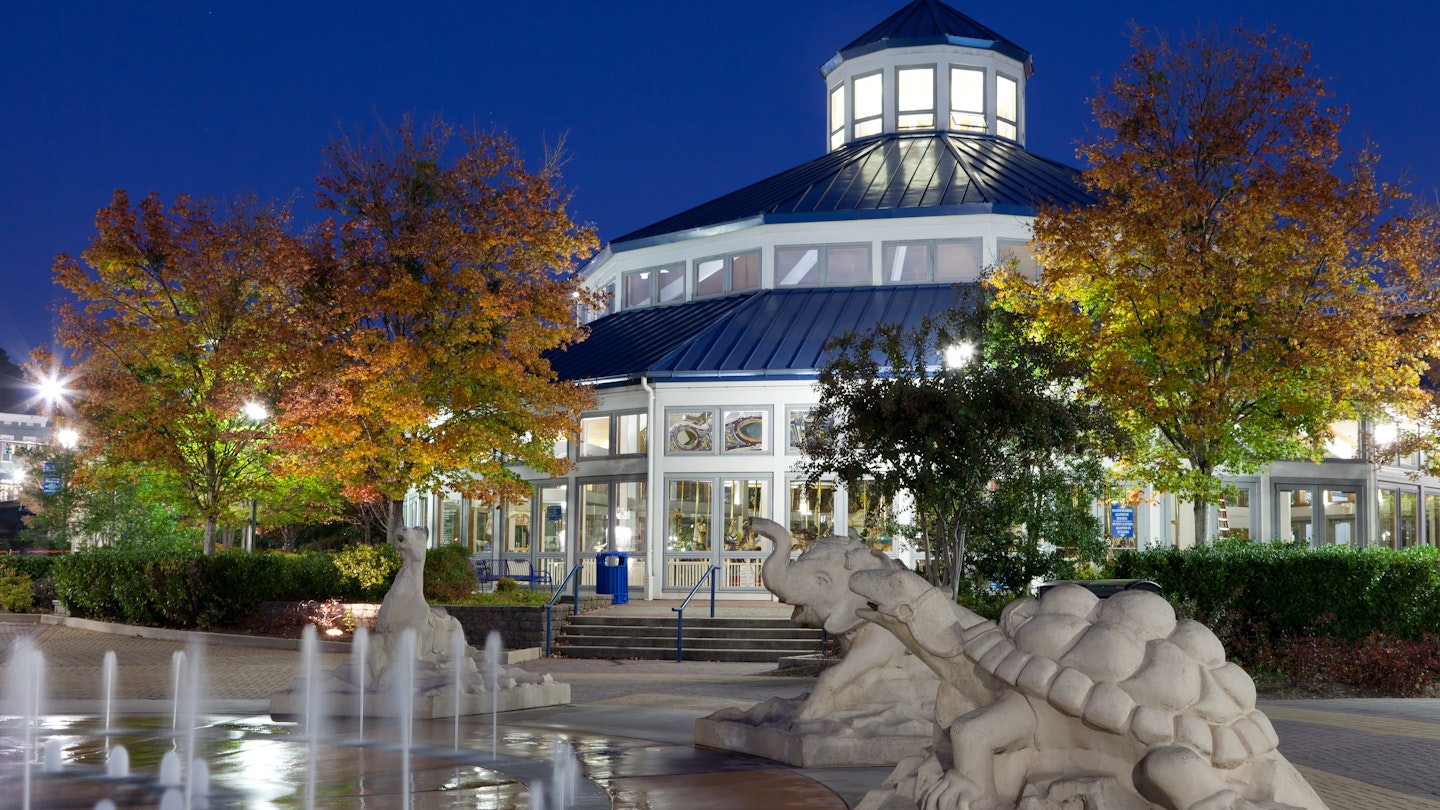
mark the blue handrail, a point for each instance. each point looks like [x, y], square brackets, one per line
[680, 611]
[575, 596]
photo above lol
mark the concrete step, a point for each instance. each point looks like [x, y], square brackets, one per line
[739, 633]
[626, 642]
[691, 620]
[668, 653]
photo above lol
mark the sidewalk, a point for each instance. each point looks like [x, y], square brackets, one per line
[632, 724]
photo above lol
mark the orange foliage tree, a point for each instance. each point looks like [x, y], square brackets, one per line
[449, 275]
[182, 315]
[1232, 293]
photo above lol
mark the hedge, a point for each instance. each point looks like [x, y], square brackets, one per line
[190, 589]
[1256, 593]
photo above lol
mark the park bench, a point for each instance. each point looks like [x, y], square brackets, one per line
[517, 570]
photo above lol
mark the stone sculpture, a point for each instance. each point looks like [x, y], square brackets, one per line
[485, 686]
[1082, 704]
[872, 708]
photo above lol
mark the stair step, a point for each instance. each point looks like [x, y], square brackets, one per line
[690, 653]
[631, 642]
[739, 633]
[690, 621]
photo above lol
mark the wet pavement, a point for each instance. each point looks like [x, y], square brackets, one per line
[630, 726]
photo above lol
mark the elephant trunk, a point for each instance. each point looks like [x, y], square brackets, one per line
[776, 572]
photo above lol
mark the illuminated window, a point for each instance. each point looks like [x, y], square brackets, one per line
[722, 274]
[645, 287]
[837, 117]
[831, 264]
[595, 436]
[634, 433]
[1020, 257]
[740, 501]
[931, 261]
[812, 511]
[869, 104]
[916, 96]
[1007, 107]
[689, 508]
[967, 100]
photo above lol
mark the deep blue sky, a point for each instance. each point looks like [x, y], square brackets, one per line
[667, 104]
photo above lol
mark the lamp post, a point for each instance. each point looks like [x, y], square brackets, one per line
[257, 413]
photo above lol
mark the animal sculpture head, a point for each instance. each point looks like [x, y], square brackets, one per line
[815, 582]
[410, 542]
[899, 601]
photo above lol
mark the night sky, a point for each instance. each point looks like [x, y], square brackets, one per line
[666, 104]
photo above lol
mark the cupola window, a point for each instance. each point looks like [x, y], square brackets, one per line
[916, 98]
[837, 117]
[722, 274]
[869, 104]
[1006, 105]
[967, 100]
[662, 284]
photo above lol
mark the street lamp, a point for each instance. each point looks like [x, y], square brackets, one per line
[959, 354]
[257, 413]
[67, 437]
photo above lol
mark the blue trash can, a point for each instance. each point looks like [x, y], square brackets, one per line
[612, 576]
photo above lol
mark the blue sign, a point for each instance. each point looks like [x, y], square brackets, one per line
[554, 513]
[1122, 521]
[49, 466]
[51, 485]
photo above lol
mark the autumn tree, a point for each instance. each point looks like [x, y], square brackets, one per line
[999, 459]
[451, 274]
[1233, 289]
[182, 315]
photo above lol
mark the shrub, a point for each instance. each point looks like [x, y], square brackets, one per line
[506, 585]
[15, 595]
[367, 571]
[1376, 663]
[448, 575]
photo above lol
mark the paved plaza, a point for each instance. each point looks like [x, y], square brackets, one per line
[631, 726]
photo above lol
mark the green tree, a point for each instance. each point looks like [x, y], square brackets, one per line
[1231, 291]
[450, 275]
[998, 456]
[182, 315]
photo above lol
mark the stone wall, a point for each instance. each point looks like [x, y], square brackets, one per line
[519, 627]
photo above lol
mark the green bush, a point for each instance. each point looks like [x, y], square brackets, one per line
[15, 595]
[37, 567]
[1256, 594]
[367, 571]
[448, 575]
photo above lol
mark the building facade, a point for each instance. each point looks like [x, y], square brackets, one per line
[705, 356]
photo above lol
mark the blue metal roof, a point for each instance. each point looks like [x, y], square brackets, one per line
[768, 333]
[924, 174]
[929, 22]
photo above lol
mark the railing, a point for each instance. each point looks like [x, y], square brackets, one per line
[680, 611]
[560, 591]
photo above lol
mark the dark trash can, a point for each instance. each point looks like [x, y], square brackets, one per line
[1105, 587]
[612, 576]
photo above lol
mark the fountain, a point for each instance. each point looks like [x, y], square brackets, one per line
[449, 676]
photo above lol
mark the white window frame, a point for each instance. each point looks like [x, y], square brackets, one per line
[954, 111]
[932, 259]
[878, 119]
[727, 273]
[822, 263]
[1000, 122]
[654, 280]
[902, 113]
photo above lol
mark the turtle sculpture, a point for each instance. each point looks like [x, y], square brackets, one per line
[1098, 704]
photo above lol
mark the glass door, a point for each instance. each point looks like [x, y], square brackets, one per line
[552, 551]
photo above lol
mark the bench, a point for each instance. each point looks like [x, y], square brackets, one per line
[518, 570]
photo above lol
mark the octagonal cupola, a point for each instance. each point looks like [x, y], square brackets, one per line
[927, 67]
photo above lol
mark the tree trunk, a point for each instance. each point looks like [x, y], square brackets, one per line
[397, 520]
[1202, 526]
[210, 535]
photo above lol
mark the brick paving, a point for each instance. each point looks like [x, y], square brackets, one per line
[1373, 754]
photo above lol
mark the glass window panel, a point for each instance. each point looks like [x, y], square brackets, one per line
[1340, 525]
[1005, 129]
[709, 277]
[869, 96]
[1344, 441]
[595, 517]
[745, 271]
[1295, 514]
[1385, 511]
[957, 261]
[847, 265]
[633, 433]
[1005, 99]
[672, 283]
[746, 431]
[837, 116]
[595, 436]
[517, 526]
[812, 511]
[797, 266]
[480, 533]
[449, 521]
[688, 506]
[1235, 515]
[630, 518]
[917, 89]
[637, 289]
[906, 122]
[864, 129]
[1407, 532]
[967, 100]
[1432, 520]
[740, 501]
[561, 448]
[906, 263]
[868, 517]
[1020, 256]
[552, 519]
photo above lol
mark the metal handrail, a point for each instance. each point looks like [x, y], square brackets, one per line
[680, 611]
[575, 596]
